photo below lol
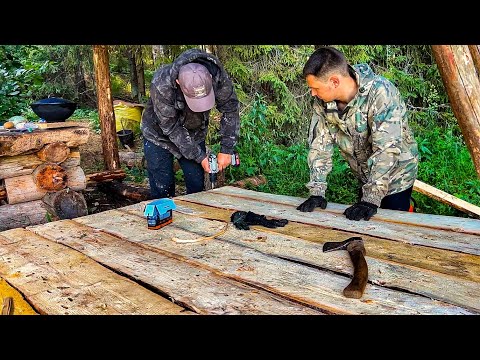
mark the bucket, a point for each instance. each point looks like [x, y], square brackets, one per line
[126, 138]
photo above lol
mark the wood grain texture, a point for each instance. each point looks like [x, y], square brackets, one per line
[58, 280]
[25, 143]
[12, 166]
[417, 235]
[105, 107]
[56, 152]
[451, 263]
[461, 82]
[23, 214]
[315, 287]
[183, 281]
[440, 222]
[446, 198]
[21, 189]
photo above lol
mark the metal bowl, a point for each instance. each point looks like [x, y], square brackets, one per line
[54, 109]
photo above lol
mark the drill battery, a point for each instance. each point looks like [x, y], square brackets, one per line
[159, 213]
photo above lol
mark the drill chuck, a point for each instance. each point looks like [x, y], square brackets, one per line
[212, 162]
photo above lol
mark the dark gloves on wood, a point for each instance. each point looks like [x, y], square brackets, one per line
[242, 220]
[361, 210]
[312, 202]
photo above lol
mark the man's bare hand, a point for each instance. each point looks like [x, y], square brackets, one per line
[224, 160]
[205, 165]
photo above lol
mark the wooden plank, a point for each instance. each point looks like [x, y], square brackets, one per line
[446, 198]
[68, 124]
[183, 281]
[451, 263]
[452, 223]
[418, 235]
[303, 243]
[301, 283]
[25, 143]
[58, 280]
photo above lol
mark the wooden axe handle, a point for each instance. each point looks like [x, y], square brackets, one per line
[355, 289]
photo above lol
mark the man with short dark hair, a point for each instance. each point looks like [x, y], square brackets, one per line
[365, 115]
[176, 117]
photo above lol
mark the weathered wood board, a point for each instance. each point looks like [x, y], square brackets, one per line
[58, 280]
[416, 265]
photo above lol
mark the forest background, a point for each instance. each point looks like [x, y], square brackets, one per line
[275, 108]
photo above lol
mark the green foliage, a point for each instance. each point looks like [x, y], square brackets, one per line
[446, 164]
[275, 108]
[19, 79]
[135, 174]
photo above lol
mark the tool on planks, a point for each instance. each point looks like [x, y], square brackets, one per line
[213, 163]
[159, 213]
[7, 307]
[356, 250]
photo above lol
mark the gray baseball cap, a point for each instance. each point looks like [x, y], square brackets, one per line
[196, 84]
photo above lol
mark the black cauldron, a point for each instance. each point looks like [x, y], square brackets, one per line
[54, 109]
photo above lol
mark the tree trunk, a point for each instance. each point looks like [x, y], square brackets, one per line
[92, 179]
[105, 107]
[65, 204]
[50, 177]
[22, 189]
[463, 88]
[131, 192]
[133, 71]
[80, 77]
[27, 143]
[12, 166]
[157, 51]
[73, 159]
[221, 53]
[140, 75]
[76, 179]
[56, 152]
[22, 215]
[475, 51]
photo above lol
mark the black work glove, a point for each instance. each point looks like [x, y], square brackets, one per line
[361, 210]
[242, 220]
[312, 202]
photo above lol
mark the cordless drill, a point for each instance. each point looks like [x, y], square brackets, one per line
[213, 163]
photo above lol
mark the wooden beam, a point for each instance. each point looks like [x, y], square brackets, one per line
[475, 51]
[446, 198]
[460, 79]
[105, 107]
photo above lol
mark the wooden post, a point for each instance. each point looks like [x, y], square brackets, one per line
[475, 51]
[460, 79]
[105, 107]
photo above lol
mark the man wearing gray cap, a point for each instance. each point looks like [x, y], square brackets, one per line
[176, 117]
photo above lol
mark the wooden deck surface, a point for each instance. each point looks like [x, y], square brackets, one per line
[110, 263]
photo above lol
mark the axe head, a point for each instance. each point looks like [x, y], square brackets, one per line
[339, 245]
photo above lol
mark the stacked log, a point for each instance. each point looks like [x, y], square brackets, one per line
[40, 176]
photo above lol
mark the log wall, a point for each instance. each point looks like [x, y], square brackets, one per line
[40, 176]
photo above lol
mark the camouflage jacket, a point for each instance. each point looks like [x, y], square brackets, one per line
[168, 122]
[372, 134]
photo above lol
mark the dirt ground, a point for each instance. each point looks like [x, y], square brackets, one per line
[91, 161]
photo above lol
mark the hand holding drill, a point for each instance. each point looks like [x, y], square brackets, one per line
[221, 163]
